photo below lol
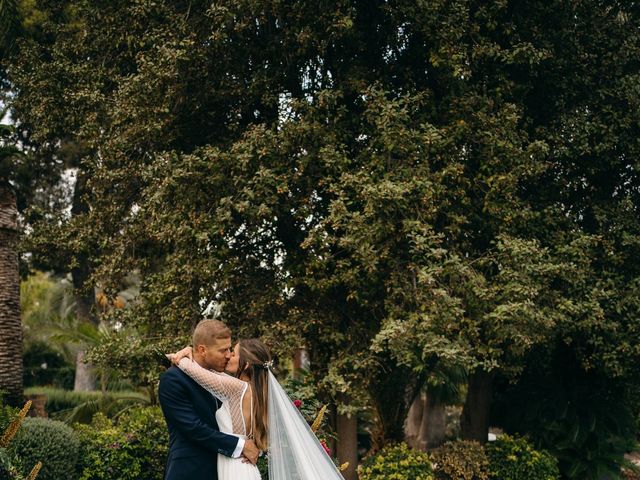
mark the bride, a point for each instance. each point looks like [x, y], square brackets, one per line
[256, 406]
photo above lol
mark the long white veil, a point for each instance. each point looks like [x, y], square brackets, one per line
[294, 450]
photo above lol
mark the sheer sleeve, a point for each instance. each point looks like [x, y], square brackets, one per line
[227, 388]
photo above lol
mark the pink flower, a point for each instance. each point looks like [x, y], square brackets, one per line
[297, 403]
[326, 449]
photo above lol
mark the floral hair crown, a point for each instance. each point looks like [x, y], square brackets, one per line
[268, 365]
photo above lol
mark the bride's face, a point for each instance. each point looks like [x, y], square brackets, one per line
[234, 361]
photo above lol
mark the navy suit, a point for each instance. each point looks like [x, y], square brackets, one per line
[194, 436]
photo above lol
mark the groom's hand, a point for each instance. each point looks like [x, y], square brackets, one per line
[250, 451]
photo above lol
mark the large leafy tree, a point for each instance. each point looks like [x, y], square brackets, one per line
[391, 185]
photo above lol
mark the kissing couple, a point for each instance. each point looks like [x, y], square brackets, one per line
[224, 407]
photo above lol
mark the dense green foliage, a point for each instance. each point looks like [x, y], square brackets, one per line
[513, 458]
[303, 392]
[396, 462]
[583, 419]
[7, 414]
[106, 453]
[9, 463]
[460, 459]
[133, 447]
[508, 458]
[51, 442]
[392, 185]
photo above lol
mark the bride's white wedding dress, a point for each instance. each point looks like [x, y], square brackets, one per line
[294, 451]
[229, 416]
[233, 468]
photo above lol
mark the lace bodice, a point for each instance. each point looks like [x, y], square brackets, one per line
[225, 387]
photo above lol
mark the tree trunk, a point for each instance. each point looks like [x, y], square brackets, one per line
[413, 423]
[10, 323]
[425, 426]
[434, 424]
[474, 422]
[85, 379]
[301, 362]
[347, 427]
[392, 391]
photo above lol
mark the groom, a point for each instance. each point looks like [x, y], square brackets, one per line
[189, 410]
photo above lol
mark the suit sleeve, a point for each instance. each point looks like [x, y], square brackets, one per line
[178, 412]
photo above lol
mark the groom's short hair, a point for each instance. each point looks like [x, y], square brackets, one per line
[208, 331]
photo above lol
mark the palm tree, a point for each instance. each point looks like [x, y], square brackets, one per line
[10, 325]
[9, 23]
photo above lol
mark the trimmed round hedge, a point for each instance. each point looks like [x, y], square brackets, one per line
[51, 442]
[514, 458]
[460, 460]
[396, 462]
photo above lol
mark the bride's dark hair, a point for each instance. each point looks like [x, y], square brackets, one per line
[253, 356]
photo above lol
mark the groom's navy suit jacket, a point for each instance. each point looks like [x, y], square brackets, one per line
[194, 437]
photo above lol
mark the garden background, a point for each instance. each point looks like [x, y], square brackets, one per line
[434, 203]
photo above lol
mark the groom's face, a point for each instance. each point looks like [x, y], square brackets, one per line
[217, 355]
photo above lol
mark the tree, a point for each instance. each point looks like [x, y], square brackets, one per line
[51, 181]
[10, 325]
[397, 187]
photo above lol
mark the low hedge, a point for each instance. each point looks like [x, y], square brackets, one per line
[43, 365]
[514, 458]
[396, 462]
[59, 400]
[460, 460]
[508, 458]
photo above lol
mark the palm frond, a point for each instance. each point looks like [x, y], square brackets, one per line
[9, 22]
[108, 405]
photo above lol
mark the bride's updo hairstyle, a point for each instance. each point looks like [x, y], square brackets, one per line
[254, 356]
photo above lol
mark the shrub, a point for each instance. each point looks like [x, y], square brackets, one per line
[582, 418]
[134, 447]
[396, 462]
[302, 390]
[148, 433]
[80, 407]
[7, 415]
[51, 442]
[460, 460]
[10, 421]
[106, 452]
[513, 458]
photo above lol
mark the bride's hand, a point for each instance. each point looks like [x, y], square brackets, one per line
[185, 352]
